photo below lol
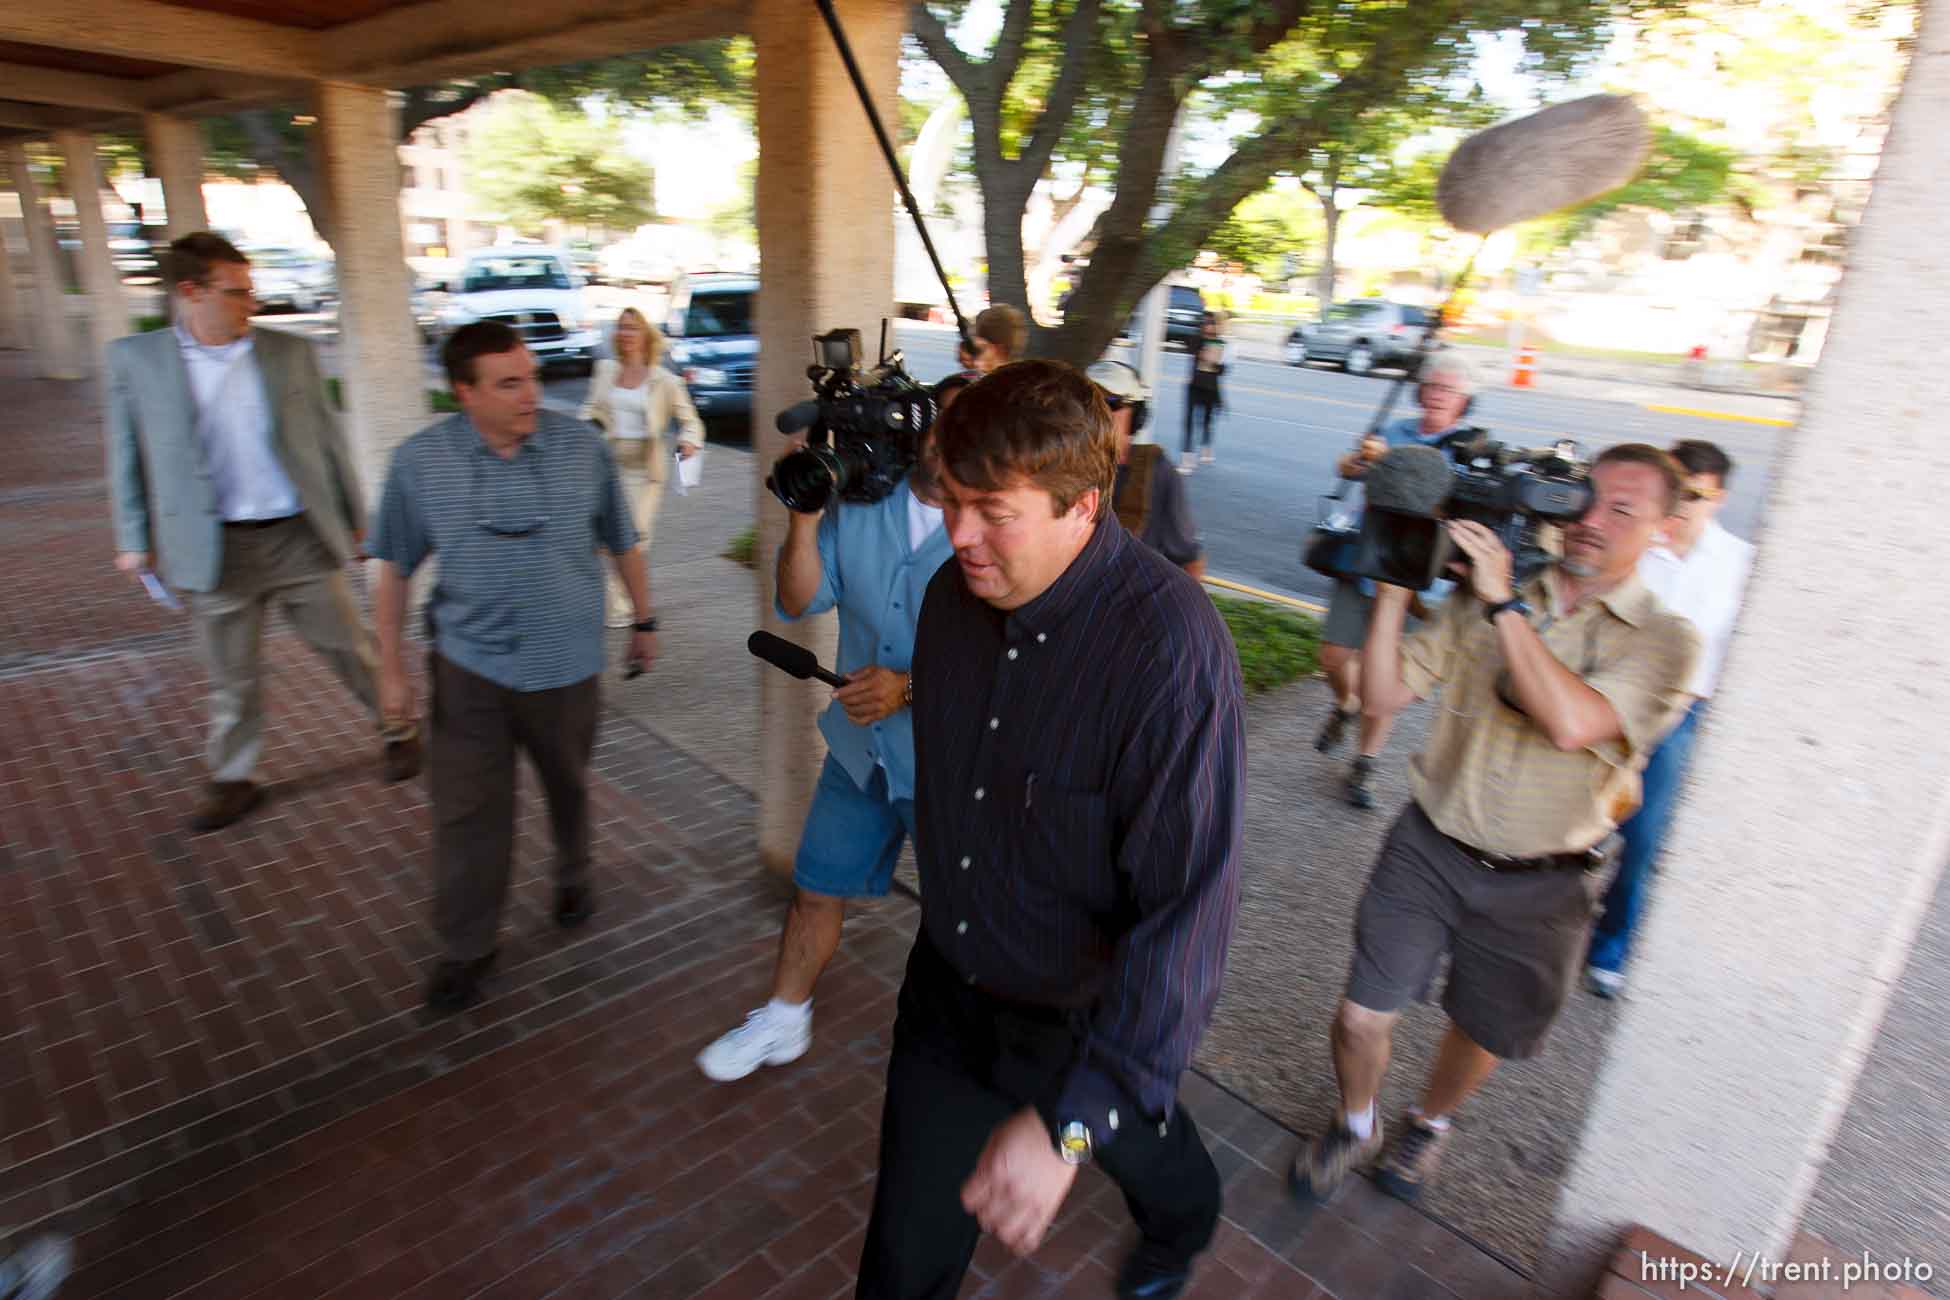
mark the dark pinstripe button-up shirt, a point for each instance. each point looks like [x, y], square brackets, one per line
[1079, 794]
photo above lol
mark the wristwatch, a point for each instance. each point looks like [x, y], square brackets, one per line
[1073, 1142]
[646, 625]
[1517, 603]
[907, 690]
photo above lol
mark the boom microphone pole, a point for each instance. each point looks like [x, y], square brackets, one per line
[893, 163]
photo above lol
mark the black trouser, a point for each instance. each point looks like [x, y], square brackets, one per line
[963, 1062]
[1200, 404]
[477, 727]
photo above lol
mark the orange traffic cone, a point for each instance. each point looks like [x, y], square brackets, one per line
[1526, 372]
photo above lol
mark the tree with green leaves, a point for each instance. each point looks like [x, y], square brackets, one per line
[689, 78]
[1268, 233]
[1068, 84]
[533, 162]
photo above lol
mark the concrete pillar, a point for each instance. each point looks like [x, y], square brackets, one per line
[108, 306]
[380, 362]
[52, 334]
[12, 331]
[825, 223]
[1814, 829]
[176, 152]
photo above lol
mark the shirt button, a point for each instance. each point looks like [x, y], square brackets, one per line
[1012, 652]
[1113, 1119]
[966, 862]
[1041, 637]
[979, 792]
[889, 649]
[994, 723]
[961, 928]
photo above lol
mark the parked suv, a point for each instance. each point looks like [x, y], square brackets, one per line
[1361, 336]
[714, 343]
[536, 290]
[1184, 317]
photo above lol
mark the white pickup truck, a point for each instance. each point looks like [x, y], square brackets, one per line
[534, 289]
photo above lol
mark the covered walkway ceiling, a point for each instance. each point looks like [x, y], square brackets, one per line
[59, 68]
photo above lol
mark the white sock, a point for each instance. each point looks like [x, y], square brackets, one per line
[1440, 1123]
[1360, 1122]
[789, 1012]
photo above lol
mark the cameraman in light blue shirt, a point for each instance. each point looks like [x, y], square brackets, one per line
[873, 563]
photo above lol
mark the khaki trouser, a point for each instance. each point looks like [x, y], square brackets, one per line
[476, 727]
[283, 561]
[642, 464]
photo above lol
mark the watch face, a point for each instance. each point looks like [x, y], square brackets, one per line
[1073, 1142]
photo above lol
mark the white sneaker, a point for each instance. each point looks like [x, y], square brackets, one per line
[764, 1039]
[1606, 984]
[1205, 457]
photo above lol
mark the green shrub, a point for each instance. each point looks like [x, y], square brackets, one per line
[1275, 644]
[743, 549]
[439, 399]
[148, 324]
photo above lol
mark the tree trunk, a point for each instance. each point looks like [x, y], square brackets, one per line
[296, 165]
[1324, 282]
[1003, 206]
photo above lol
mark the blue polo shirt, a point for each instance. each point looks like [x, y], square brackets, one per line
[876, 579]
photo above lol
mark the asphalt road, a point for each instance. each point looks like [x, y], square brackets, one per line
[1283, 428]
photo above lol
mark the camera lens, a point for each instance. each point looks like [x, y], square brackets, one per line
[806, 480]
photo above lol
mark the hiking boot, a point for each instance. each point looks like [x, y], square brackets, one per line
[224, 802]
[1317, 1172]
[766, 1038]
[1334, 730]
[1411, 1161]
[1358, 774]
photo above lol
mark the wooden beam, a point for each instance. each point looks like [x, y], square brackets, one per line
[444, 39]
[40, 119]
[69, 89]
[196, 91]
[165, 33]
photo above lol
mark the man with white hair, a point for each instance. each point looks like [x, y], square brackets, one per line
[1446, 391]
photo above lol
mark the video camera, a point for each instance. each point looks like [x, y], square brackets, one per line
[1514, 492]
[866, 427]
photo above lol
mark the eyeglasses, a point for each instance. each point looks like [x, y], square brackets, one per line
[1693, 495]
[526, 528]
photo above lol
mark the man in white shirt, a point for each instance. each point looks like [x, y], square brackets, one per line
[1699, 574]
[227, 470]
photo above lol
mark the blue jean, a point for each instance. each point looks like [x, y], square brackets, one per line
[1643, 832]
[853, 837]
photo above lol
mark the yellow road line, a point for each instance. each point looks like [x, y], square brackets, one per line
[1698, 414]
[1307, 605]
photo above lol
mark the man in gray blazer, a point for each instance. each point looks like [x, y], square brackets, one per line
[225, 461]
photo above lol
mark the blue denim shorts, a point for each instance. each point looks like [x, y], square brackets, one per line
[853, 837]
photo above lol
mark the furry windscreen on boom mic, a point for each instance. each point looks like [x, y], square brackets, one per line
[1410, 481]
[1566, 154]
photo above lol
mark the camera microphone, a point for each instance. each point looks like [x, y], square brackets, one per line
[1410, 481]
[795, 659]
[800, 415]
[1552, 159]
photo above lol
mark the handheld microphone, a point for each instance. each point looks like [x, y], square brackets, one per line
[794, 659]
[800, 415]
[1534, 165]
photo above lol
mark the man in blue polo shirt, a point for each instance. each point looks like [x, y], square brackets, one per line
[872, 563]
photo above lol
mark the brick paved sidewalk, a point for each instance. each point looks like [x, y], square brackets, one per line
[216, 1075]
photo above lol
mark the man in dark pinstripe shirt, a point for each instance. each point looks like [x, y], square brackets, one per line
[1079, 769]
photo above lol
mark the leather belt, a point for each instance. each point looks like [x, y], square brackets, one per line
[258, 523]
[1580, 860]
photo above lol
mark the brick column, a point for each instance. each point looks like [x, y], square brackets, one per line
[379, 346]
[53, 336]
[176, 152]
[108, 314]
[13, 333]
[1813, 832]
[825, 223]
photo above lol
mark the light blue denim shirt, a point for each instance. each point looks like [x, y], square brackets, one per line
[876, 580]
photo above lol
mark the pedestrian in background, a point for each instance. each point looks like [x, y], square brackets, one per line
[633, 400]
[230, 475]
[1203, 400]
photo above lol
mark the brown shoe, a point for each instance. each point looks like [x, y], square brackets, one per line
[1411, 1161]
[224, 802]
[403, 759]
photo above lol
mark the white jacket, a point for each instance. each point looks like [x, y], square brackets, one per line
[667, 399]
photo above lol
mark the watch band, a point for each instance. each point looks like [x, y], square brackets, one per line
[1517, 603]
[907, 690]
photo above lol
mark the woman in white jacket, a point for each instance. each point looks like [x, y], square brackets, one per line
[633, 400]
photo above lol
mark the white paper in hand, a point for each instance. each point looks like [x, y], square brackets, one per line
[689, 472]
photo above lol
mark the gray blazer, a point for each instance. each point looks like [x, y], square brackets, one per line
[162, 496]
